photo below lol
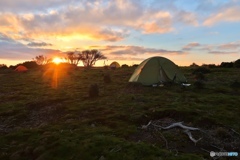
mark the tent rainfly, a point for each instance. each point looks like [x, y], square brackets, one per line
[157, 70]
[21, 68]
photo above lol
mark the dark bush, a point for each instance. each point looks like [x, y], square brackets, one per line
[226, 64]
[30, 64]
[199, 84]
[107, 78]
[237, 63]
[135, 65]
[125, 66]
[194, 65]
[199, 76]
[105, 67]
[203, 70]
[235, 84]
[211, 66]
[93, 91]
[3, 66]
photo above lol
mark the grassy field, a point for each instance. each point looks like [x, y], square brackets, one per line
[47, 114]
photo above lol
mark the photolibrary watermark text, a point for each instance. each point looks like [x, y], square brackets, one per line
[223, 154]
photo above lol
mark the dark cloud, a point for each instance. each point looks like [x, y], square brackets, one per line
[26, 6]
[39, 44]
[135, 50]
[13, 50]
[229, 46]
[222, 52]
[225, 48]
[126, 58]
[4, 37]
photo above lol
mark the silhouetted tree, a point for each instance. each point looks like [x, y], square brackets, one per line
[73, 57]
[90, 57]
[42, 60]
[194, 65]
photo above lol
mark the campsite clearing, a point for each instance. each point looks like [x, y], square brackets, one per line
[39, 120]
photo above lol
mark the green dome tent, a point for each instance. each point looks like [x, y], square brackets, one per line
[156, 70]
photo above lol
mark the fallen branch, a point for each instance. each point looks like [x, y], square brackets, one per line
[220, 149]
[146, 126]
[166, 142]
[205, 150]
[235, 132]
[191, 138]
[178, 124]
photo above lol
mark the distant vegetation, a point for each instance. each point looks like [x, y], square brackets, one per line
[125, 66]
[42, 60]
[88, 57]
[3, 66]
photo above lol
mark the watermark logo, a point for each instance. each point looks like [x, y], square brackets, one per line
[222, 154]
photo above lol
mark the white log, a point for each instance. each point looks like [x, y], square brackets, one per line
[179, 124]
[191, 138]
[146, 126]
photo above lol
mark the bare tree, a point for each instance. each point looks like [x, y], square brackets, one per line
[73, 57]
[90, 57]
[42, 60]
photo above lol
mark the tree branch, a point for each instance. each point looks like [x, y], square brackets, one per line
[191, 138]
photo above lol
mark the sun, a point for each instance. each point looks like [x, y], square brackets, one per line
[57, 60]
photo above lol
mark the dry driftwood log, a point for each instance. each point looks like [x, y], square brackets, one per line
[177, 124]
[191, 138]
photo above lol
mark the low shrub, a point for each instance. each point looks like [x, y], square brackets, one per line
[203, 70]
[200, 76]
[125, 66]
[107, 78]
[93, 91]
[105, 67]
[235, 84]
[199, 84]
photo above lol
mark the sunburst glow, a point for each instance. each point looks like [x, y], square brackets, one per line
[57, 60]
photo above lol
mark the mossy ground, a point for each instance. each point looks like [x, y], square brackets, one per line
[47, 114]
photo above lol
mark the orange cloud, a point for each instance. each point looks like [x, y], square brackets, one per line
[135, 50]
[226, 15]
[191, 46]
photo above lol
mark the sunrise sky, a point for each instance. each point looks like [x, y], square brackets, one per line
[128, 31]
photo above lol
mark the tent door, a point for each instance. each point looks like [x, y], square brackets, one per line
[162, 76]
